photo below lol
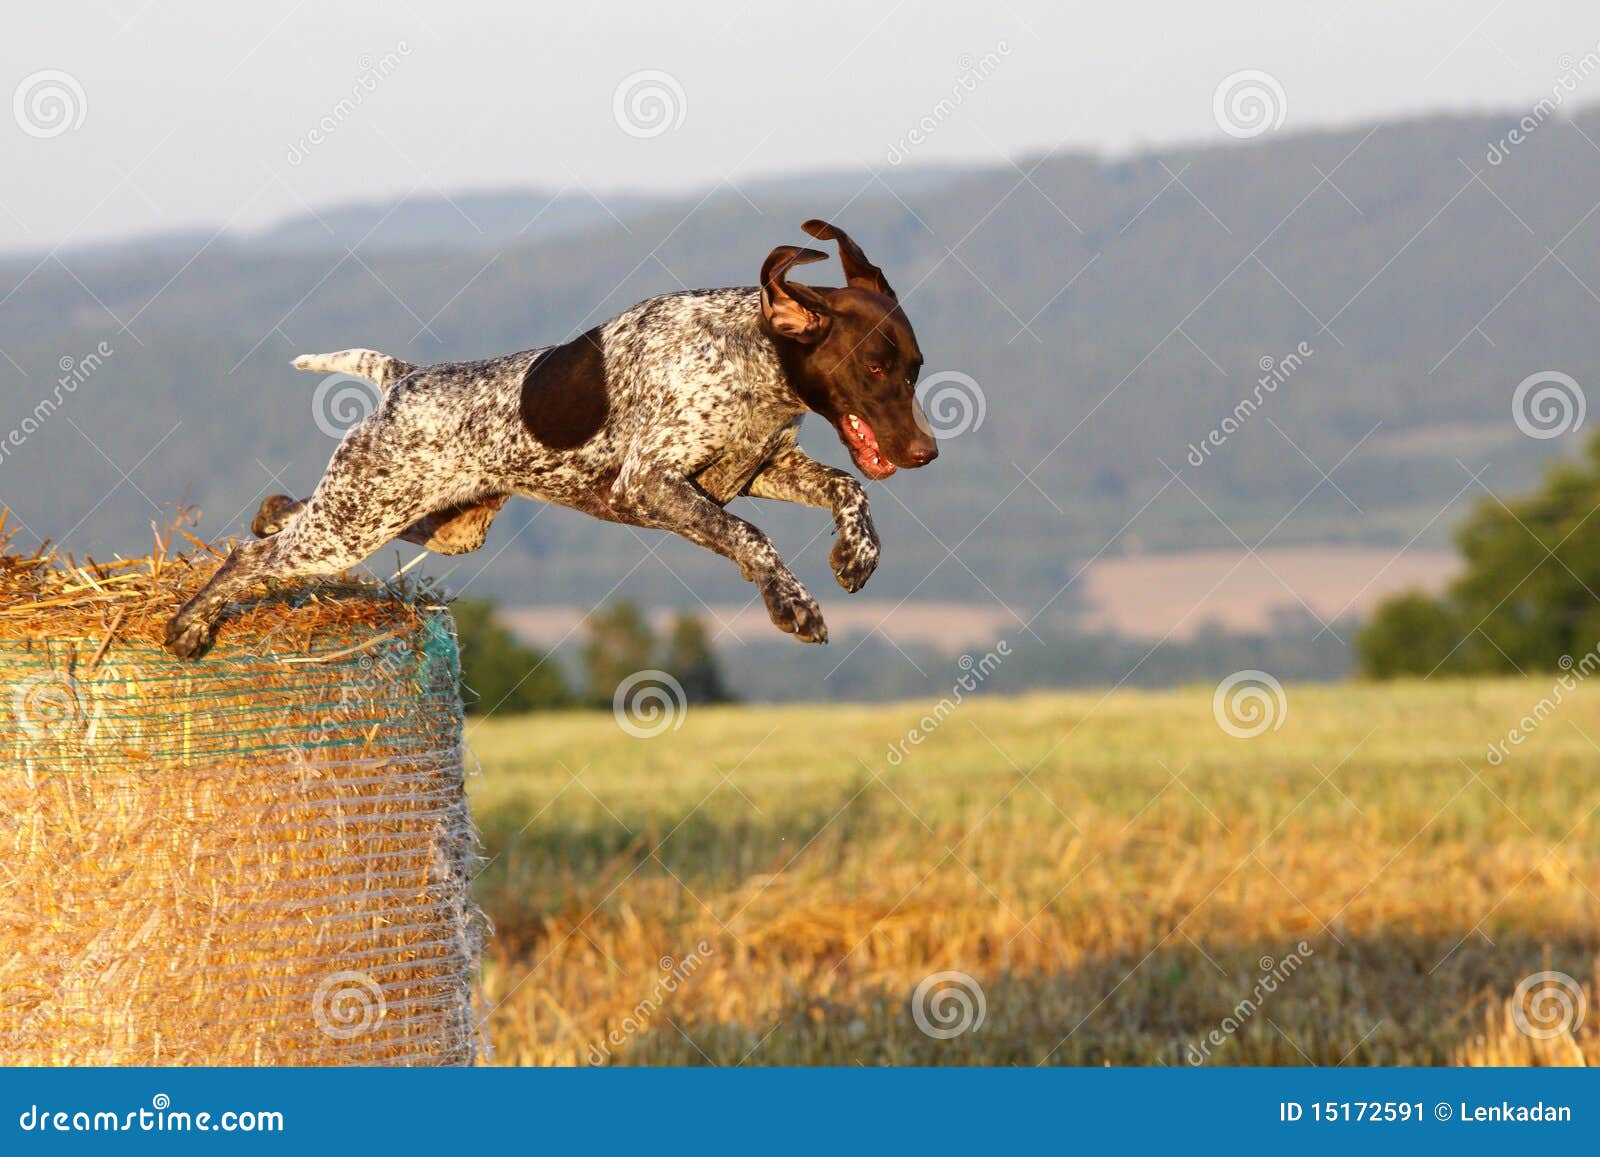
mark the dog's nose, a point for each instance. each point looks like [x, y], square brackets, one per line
[921, 451]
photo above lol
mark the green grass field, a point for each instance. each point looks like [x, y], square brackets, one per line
[1117, 875]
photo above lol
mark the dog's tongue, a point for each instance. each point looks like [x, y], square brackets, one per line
[863, 446]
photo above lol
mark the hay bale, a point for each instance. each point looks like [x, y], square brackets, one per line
[260, 858]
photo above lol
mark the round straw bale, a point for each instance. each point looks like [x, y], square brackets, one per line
[262, 857]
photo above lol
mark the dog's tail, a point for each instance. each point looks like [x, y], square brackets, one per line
[380, 369]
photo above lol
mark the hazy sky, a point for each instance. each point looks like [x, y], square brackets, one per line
[155, 114]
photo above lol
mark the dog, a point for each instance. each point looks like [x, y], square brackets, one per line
[657, 418]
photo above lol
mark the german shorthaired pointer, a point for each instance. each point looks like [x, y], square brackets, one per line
[658, 418]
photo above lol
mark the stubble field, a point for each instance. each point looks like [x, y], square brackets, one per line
[1101, 879]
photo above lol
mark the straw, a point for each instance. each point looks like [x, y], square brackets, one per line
[261, 857]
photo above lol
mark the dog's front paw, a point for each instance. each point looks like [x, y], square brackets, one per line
[189, 640]
[792, 609]
[854, 558]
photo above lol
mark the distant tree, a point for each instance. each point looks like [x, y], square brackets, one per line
[692, 661]
[502, 674]
[1409, 634]
[1529, 594]
[619, 644]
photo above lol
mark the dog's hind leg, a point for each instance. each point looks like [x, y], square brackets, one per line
[295, 544]
[190, 632]
[344, 522]
[309, 545]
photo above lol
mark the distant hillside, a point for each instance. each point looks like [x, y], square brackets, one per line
[497, 220]
[1113, 314]
[466, 220]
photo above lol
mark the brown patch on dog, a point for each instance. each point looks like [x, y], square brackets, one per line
[456, 529]
[564, 401]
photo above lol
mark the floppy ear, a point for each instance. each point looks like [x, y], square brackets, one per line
[794, 311]
[858, 271]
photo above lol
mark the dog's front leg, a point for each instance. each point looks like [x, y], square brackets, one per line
[790, 476]
[676, 504]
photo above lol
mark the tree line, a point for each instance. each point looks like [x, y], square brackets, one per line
[1528, 596]
[504, 675]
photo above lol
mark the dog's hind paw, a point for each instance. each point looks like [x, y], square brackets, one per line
[854, 557]
[793, 610]
[189, 640]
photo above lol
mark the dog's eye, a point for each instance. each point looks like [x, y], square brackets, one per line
[875, 371]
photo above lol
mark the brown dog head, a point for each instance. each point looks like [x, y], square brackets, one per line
[849, 354]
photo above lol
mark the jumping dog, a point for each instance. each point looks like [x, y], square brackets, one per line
[656, 418]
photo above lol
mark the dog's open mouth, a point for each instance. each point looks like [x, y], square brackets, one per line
[863, 446]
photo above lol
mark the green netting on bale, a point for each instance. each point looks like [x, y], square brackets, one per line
[259, 858]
